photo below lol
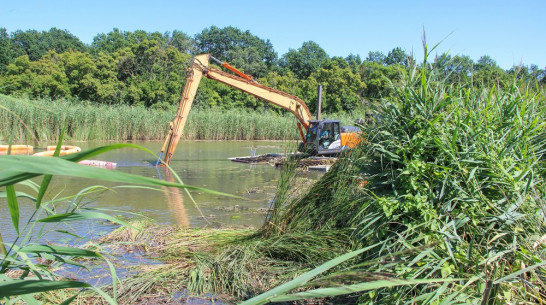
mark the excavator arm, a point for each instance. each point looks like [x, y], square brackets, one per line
[199, 67]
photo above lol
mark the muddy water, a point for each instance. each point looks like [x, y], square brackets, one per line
[203, 164]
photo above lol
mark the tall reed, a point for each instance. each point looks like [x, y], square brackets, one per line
[449, 185]
[87, 121]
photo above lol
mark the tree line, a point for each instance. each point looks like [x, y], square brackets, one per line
[149, 69]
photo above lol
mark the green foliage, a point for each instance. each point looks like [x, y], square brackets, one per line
[182, 42]
[354, 61]
[342, 88]
[528, 74]
[43, 78]
[397, 56]
[243, 50]
[305, 60]
[116, 40]
[306, 89]
[149, 69]
[6, 53]
[80, 71]
[449, 184]
[153, 75]
[376, 56]
[145, 74]
[457, 69]
[380, 80]
[488, 74]
[36, 44]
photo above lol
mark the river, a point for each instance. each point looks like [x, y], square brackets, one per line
[198, 163]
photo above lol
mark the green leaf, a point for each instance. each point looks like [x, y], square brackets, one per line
[69, 300]
[82, 216]
[518, 273]
[88, 153]
[18, 194]
[304, 278]
[47, 178]
[43, 188]
[58, 250]
[30, 300]
[19, 287]
[19, 168]
[13, 206]
[335, 291]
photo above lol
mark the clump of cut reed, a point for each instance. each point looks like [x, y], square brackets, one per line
[242, 270]
[449, 184]
[179, 250]
[231, 264]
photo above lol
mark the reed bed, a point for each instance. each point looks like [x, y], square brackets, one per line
[443, 204]
[449, 186]
[44, 119]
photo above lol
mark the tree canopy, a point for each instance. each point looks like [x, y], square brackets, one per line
[149, 69]
[240, 48]
[305, 60]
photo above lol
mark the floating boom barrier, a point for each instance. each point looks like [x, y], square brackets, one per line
[50, 150]
[16, 149]
[65, 150]
[28, 150]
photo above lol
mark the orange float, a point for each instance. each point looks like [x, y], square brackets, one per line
[65, 150]
[16, 149]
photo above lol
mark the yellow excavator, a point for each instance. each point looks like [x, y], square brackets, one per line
[319, 137]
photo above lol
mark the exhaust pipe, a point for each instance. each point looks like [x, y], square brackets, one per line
[319, 104]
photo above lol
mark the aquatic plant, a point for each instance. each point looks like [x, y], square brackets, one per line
[27, 264]
[449, 185]
[42, 120]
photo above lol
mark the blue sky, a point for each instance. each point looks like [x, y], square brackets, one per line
[510, 32]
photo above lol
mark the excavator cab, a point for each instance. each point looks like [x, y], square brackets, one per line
[323, 138]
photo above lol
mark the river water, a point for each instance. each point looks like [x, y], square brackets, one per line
[198, 163]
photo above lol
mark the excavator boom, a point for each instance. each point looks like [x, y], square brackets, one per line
[199, 67]
[176, 127]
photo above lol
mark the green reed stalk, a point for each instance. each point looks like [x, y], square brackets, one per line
[86, 121]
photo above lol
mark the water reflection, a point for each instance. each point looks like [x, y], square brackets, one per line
[174, 199]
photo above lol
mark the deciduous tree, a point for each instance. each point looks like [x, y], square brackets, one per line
[254, 55]
[397, 56]
[305, 60]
